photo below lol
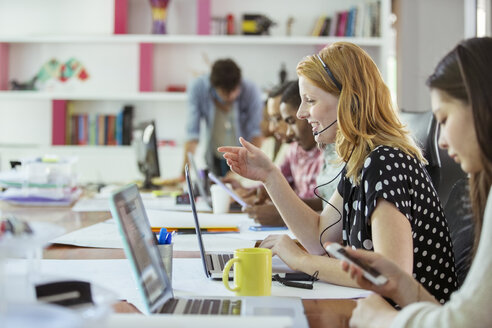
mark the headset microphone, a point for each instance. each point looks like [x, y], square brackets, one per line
[329, 126]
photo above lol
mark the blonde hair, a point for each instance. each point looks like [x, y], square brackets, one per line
[365, 114]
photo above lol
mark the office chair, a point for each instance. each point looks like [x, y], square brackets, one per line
[451, 172]
[459, 216]
[424, 129]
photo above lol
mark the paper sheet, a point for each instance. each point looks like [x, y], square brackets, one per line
[188, 279]
[106, 235]
[185, 219]
[101, 204]
[193, 282]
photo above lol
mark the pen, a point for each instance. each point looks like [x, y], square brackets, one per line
[161, 238]
[169, 237]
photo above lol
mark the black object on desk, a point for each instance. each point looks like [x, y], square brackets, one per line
[65, 293]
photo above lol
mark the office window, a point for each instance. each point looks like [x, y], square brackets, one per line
[484, 17]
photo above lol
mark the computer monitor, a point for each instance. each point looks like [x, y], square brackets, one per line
[145, 142]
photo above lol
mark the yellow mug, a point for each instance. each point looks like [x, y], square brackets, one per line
[252, 272]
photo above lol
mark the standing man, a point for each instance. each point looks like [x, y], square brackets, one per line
[231, 107]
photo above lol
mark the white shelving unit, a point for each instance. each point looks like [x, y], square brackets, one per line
[113, 63]
[93, 96]
[195, 39]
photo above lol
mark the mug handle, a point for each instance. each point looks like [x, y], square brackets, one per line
[225, 274]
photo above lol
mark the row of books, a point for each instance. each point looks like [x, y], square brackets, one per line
[362, 20]
[100, 129]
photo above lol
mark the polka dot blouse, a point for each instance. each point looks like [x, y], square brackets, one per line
[390, 174]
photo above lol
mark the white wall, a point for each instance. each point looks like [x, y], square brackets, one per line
[17, 17]
[427, 30]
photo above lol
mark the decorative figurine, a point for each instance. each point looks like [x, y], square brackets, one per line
[290, 22]
[51, 73]
[29, 85]
[159, 16]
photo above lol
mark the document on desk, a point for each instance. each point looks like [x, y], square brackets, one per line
[101, 204]
[106, 235]
[176, 219]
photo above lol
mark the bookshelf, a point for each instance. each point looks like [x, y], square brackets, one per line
[126, 64]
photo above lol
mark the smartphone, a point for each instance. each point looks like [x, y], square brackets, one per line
[235, 196]
[368, 272]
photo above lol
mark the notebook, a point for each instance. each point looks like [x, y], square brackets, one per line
[140, 247]
[214, 262]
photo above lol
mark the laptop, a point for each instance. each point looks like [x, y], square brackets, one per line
[140, 246]
[200, 182]
[214, 262]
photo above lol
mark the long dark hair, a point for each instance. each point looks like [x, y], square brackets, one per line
[465, 73]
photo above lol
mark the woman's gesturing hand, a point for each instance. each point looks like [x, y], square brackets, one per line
[248, 161]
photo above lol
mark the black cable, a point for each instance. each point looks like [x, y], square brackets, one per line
[327, 202]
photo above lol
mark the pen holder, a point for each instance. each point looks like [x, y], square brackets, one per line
[166, 251]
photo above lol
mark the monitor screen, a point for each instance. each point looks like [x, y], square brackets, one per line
[145, 142]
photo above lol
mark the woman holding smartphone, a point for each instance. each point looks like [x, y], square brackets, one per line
[385, 201]
[462, 104]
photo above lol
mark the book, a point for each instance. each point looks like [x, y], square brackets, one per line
[69, 127]
[333, 26]
[342, 23]
[101, 130]
[377, 19]
[75, 130]
[325, 31]
[59, 121]
[359, 20]
[351, 22]
[110, 132]
[127, 124]
[318, 26]
[92, 129]
[83, 130]
[119, 128]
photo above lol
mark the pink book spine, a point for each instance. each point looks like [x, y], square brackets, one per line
[4, 66]
[342, 23]
[203, 19]
[120, 16]
[146, 67]
[59, 122]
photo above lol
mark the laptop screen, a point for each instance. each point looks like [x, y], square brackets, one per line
[195, 218]
[141, 247]
[200, 181]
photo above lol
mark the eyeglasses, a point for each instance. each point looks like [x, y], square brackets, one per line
[330, 74]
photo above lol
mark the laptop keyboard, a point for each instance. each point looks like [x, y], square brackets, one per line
[203, 306]
[217, 262]
[223, 259]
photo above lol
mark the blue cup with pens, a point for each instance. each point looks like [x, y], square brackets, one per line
[165, 245]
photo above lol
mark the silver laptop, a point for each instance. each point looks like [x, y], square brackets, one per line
[200, 181]
[214, 262]
[153, 283]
